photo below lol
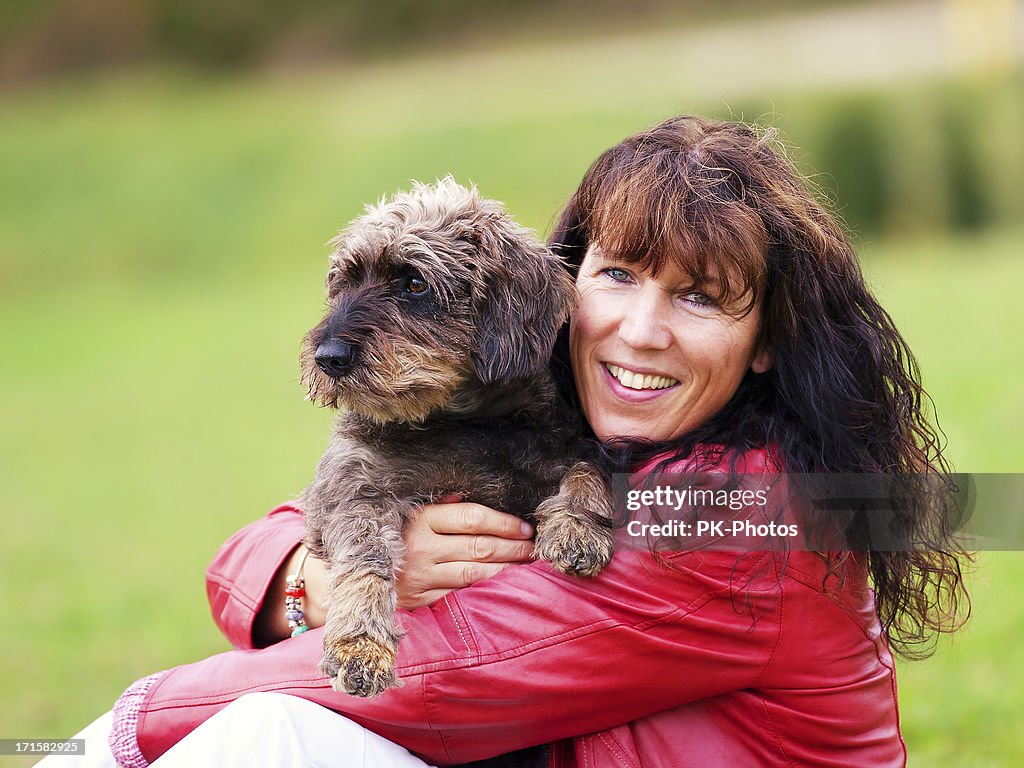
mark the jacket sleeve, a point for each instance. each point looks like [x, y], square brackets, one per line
[239, 576]
[526, 657]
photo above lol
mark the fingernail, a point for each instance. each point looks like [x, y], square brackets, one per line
[527, 529]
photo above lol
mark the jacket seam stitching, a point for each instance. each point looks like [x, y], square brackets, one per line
[232, 588]
[778, 636]
[617, 749]
[457, 604]
[508, 654]
[430, 723]
[458, 625]
[771, 658]
[775, 734]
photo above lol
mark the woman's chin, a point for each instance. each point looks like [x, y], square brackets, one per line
[630, 429]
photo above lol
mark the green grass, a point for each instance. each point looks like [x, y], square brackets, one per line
[957, 304]
[161, 255]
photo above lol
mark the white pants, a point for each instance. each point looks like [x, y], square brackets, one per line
[257, 730]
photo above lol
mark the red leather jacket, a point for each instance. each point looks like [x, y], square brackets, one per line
[703, 659]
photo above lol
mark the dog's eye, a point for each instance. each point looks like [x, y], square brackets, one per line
[414, 285]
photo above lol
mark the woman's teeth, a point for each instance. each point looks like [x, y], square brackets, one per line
[633, 380]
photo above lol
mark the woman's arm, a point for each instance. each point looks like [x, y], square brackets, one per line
[448, 546]
[526, 657]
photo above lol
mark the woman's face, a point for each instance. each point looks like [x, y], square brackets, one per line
[655, 357]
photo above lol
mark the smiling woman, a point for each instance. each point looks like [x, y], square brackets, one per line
[804, 362]
[723, 327]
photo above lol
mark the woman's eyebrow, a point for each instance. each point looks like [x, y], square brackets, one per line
[703, 283]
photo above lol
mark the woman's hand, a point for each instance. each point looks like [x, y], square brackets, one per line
[452, 545]
[447, 546]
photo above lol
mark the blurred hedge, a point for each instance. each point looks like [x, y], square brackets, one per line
[43, 38]
[914, 158]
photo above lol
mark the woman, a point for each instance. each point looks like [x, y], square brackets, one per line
[723, 326]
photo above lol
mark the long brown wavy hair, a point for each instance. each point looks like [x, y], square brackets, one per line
[844, 393]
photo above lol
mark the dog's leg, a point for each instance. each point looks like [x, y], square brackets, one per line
[360, 636]
[574, 527]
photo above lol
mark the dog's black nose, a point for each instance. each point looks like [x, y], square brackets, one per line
[335, 357]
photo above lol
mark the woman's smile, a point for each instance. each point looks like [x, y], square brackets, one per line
[635, 386]
[639, 380]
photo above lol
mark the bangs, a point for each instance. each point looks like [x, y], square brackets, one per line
[654, 214]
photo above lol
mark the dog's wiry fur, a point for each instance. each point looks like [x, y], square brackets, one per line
[445, 390]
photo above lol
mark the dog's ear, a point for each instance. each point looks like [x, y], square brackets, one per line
[524, 296]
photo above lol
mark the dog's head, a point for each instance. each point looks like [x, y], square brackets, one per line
[428, 292]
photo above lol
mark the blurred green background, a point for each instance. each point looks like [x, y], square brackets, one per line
[169, 178]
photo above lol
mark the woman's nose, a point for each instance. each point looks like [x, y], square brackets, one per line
[645, 322]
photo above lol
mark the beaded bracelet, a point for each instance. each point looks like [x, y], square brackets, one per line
[293, 595]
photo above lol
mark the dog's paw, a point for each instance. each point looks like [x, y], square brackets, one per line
[574, 545]
[360, 666]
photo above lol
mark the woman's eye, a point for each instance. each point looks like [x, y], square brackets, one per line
[616, 274]
[699, 299]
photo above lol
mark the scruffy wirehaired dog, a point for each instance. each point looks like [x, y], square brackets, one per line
[441, 317]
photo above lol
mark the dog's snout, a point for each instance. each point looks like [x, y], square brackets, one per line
[336, 357]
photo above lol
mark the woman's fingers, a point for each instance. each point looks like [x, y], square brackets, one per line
[481, 549]
[424, 548]
[463, 532]
[468, 518]
[452, 545]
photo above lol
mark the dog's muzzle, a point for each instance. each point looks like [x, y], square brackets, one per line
[336, 357]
